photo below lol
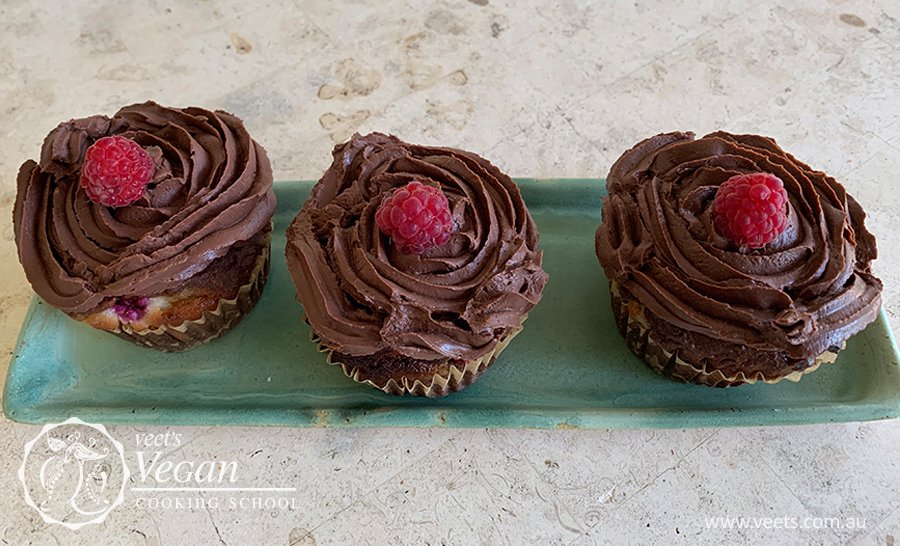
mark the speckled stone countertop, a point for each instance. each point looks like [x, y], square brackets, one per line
[551, 91]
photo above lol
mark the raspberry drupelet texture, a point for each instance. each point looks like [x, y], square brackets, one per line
[751, 209]
[115, 171]
[416, 217]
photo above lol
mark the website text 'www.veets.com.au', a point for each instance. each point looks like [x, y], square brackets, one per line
[785, 522]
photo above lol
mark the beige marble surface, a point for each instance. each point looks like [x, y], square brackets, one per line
[543, 89]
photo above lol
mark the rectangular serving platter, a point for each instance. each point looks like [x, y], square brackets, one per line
[569, 368]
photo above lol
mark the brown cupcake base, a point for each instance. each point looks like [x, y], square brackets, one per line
[640, 328]
[398, 374]
[214, 322]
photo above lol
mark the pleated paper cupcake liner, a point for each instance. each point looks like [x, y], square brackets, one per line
[451, 378]
[634, 325]
[212, 324]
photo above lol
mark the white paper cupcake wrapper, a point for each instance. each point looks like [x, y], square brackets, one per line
[637, 332]
[212, 324]
[455, 378]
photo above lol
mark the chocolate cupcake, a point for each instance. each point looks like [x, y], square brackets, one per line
[415, 266]
[153, 225]
[732, 262]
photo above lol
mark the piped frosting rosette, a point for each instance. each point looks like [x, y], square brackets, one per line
[708, 310]
[204, 217]
[400, 317]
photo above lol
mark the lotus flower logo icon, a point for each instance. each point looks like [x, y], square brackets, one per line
[74, 473]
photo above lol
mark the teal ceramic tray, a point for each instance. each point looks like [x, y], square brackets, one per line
[569, 368]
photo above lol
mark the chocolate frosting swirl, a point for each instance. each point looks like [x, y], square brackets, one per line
[808, 290]
[212, 189]
[362, 296]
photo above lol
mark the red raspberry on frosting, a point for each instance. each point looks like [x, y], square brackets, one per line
[750, 209]
[416, 217]
[115, 171]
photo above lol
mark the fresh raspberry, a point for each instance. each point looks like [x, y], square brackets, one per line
[416, 217]
[115, 171]
[750, 209]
